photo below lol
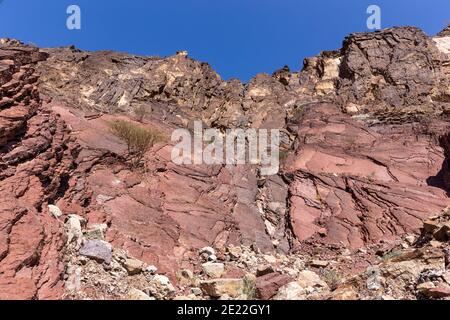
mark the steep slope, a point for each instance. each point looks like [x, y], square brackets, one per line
[365, 130]
[36, 154]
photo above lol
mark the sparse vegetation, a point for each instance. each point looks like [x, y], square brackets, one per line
[141, 112]
[138, 139]
[283, 155]
[332, 278]
[392, 255]
[249, 288]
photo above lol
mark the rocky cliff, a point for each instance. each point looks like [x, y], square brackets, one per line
[365, 144]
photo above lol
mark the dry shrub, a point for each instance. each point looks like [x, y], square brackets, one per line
[138, 139]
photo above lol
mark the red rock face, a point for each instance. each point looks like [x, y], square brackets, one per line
[367, 158]
[352, 184]
[166, 215]
[35, 154]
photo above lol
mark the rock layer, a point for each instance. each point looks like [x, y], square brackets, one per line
[365, 138]
[36, 155]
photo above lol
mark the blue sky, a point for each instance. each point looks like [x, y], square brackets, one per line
[239, 38]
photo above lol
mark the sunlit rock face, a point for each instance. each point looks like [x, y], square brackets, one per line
[364, 136]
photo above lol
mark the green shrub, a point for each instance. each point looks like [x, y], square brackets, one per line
[332, 278]
[138, 139]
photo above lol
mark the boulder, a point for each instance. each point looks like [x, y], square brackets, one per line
[308, 279]
[290, 291]
[218, 287]
[97, 250]
[213, 270]
[161, 288]
[54, 211]
[133, 266]
[267, 286]
[74, 230]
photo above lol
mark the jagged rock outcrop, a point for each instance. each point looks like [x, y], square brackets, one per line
[365, 130]
[354, 183]
[36, 154]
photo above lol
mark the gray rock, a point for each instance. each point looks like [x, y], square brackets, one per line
[97, 250]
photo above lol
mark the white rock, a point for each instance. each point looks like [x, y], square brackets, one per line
[208, 250]
[308, 279]
[133, 266]
[319, 263]
[161, 288]
[270, 259]
[212, 258]
[290, 291]
[73, 283]
[213, 270]
[73, 229]
[54, 211]
[410, 239]
[135, 294]
[219, 287]
[443, 44]
[151, 269]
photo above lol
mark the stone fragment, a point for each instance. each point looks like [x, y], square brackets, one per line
[308, 279]
[161, 288]
[151, 269]
[97, 250]
[74, 230]
[234, 252]
[270, 259]
[213, 270]
[267, 286]
[218, 287]
[133, 266]
[54, 211]
[319, 263]
[96, 232]
[263, 270]
[290, 291]
[135, 294]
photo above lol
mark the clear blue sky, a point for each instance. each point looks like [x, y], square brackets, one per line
[239, 38]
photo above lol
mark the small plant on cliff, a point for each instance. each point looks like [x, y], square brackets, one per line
[332, 278]
[141, 112]
[249, 288]
[138, 139]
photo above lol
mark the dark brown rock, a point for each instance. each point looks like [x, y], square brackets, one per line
[267, 286]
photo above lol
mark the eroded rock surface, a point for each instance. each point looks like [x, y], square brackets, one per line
[36, 155]
[365, 144]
